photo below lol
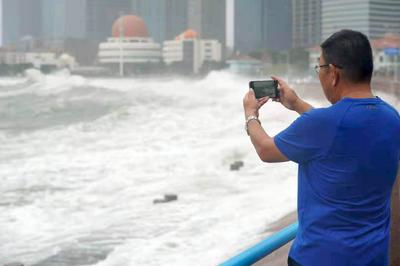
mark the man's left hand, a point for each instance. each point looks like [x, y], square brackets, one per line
[251, 104]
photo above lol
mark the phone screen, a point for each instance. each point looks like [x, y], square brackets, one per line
[265, 88]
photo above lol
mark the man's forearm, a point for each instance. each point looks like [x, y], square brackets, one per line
[302, 106]
[258, 136]
[264, 144]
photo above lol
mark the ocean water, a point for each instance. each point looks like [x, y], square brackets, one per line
[81, 161]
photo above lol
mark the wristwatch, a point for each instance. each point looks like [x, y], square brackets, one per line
[248, 119]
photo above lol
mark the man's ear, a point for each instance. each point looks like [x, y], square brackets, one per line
[335, 76]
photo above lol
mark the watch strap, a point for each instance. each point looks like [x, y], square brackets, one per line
[248, 120]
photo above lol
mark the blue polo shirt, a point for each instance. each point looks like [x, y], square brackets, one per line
[348, 156]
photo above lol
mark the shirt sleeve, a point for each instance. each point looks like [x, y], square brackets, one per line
[309, 137]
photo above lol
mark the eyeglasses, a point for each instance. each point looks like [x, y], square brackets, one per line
[318, 67]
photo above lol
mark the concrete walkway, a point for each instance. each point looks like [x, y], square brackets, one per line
[279, 257]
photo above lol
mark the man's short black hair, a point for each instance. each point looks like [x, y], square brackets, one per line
[351, 51]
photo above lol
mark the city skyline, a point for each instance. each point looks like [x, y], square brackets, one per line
[60, 20]
[92, 19]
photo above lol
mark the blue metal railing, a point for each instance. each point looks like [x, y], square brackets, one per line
[264, 248]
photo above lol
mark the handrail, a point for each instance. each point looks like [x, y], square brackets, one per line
[264, 248]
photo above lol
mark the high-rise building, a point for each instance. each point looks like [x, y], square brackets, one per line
[277, 24]
[176, 18]
[43, 19]
[63, 19]
[21, 19]
[207, 17]
[247, 25]
[306, 23]
[261, 24]
[101, 14]
[154, 15]
[372, 17]
[165, 19]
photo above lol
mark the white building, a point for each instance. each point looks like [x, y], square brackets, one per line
[374, 18]
[386, 53]
[313, 55]
[39, 59]
[36, 59]
[191, 51]
[129, 45]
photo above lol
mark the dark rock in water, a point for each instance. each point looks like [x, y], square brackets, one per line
[85, 253]
[236, 165]
[14, 264]
[156, 201]
[167, 198]
[170, 197]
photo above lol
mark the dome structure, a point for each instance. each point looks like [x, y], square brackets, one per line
[130, 27]
[135, 47]
[188, 34]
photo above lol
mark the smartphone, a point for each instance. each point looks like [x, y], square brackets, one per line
[265, 88]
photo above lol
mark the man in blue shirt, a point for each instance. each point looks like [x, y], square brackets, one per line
[348, 156]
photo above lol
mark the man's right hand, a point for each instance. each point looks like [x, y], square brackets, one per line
[289, 98]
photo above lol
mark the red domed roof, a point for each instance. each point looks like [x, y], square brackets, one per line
[188, 34]
[132, 26]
